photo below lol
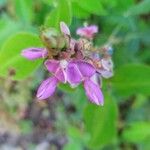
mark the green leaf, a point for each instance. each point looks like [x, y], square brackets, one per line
[100, 122]
[66, 87]
[24, 10]
[62, 12]
[48, 2]
[140, 8]
[78, 11]
[145, 55]
[131, 79]
[123, 6]
[137, 132]
[76, 138]
[5, 30]
[2, 3]
[93, 6]
[10, 55]
[73, 144]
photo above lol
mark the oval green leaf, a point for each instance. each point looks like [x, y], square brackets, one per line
[10, 55]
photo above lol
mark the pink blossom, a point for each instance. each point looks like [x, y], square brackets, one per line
[71, 65]
[74, 72]
[34, 53]
[87, 32]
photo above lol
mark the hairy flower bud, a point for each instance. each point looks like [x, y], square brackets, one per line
[53, 41]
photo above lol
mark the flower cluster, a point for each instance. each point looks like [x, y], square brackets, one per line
[72, 61]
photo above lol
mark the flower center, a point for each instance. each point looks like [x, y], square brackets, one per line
[63, 63]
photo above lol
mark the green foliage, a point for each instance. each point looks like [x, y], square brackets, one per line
[137, 132]
[10, 55]
[73, 145]
[25, 126]
[24, 10]
[92, 6]
[62, 12]
[2, 2]
[66, 88]
[142, 7]
[5, 29]
[78, 11]
[100, 122]
[75, 139]
[48, 2]
[122, 6]
[132, 79]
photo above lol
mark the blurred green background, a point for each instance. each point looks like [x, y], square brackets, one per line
[68, 121]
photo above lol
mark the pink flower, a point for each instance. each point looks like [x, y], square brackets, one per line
[74, 72]
[87, 32]
[34, 53]
[73, 64]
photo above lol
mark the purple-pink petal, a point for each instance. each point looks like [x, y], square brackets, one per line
[33, 53]
[52, 65]
[93, 28]
[88, 31]
[93, 92]
[96, 78]
[47, 88]
[74, 76]
[86, 69]
[64, 28]
[61, 75]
